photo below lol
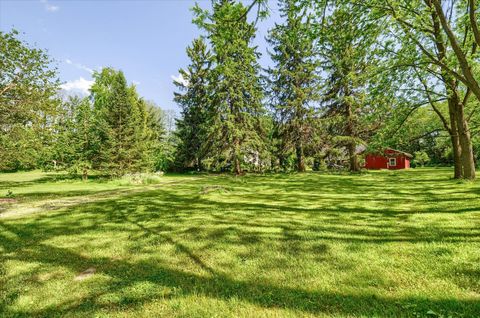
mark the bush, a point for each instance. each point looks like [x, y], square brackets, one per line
[141, 178]
[420, 158]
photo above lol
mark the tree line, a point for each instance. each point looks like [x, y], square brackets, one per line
[113, 130]
[347, 77]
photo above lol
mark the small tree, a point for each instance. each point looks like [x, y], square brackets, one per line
[121, 123]
[421, 158]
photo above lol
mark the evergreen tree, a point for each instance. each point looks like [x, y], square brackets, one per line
[159, 156]
[195, 102]
[61, 149]
[121, 122]
[80, 145]
[75, 144]
[347, 39]
[85, 138]
[293, 80]
[237, 92]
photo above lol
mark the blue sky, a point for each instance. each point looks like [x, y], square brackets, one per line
[146, 39]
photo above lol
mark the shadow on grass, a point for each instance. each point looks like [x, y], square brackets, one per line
[212, 284]
[50, 178]
[179, 216]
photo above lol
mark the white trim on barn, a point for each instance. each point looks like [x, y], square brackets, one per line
[392, 162]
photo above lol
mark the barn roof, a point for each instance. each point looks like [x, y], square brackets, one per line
[406, 154]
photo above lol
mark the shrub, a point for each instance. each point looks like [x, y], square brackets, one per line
[141, 178]
[420, 158]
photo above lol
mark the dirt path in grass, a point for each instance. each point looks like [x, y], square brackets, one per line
[14, 209]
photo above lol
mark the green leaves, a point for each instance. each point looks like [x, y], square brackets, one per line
[28, 87]
[293, 81]
[128, 133]
[194, 127]
[235, 91]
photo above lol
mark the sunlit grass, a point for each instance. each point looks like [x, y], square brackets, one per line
[383, 244]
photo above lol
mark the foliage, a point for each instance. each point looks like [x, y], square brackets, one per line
[89, 137]
[346, 75]
[237, 95]
[126, 131]
[141, 178]
[194, 128]
[28, 84]
[420, 158]
[354, 93]
[293, 80]
[436, 42]
[159, 139]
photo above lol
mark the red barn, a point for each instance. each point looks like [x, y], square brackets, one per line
[390, 159]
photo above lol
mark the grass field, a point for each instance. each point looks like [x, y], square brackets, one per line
[379, 244]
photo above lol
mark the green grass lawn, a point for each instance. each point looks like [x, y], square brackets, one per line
[379, 244]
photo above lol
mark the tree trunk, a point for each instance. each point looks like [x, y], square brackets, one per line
[463, 133]
[458, 171]
[353, 158]
[460, 135]
[85, 175]
[198, 164]
[351, 144]
[468, 163]
[300, 157]
[238, 168]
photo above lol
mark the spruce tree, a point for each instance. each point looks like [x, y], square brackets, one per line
[157, 139]
[347, 42]
[61, 150]
[120, 123]
[195, 102]
[75, 143]
[85, 138]
[237, 90]
[293, 79]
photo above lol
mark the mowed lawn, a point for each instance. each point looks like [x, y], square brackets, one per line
[377, 244]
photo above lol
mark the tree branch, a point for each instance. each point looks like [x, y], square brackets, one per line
[468, 77]
[473, 20]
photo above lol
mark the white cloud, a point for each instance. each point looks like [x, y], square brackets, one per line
[136, 83]
[49, 7]
[79, 85]
[79, 66]
[179, 79]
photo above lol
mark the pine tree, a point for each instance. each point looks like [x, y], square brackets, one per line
[293, 79]
[158, 157]
[85, 138]
[193, 126]
[237, 92]
[120, 120]
[347, 40]
[61, 150]
[75, 144]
